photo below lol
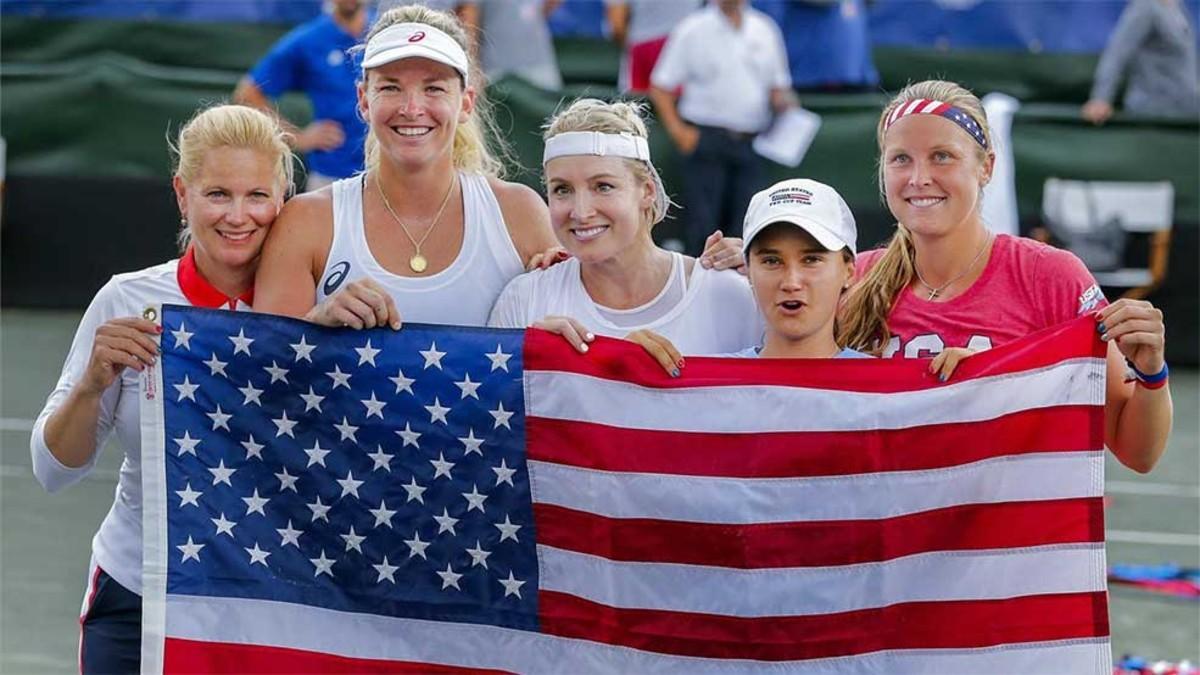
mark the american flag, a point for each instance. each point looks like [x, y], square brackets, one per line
[438, 499]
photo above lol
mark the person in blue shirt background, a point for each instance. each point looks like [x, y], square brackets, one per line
[828, 43]
[314, 59]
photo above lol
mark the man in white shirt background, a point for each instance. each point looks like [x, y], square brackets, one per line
[731, 63]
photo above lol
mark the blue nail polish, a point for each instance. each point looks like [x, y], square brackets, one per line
[942, 377]
[675, 372]
[1100, 328]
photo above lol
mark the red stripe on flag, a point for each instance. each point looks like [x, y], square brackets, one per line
[828, 453]
[192, 656]
[624, 361]
[918, 625]
[823, 543]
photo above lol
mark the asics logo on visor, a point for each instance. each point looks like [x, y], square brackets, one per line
[416, 37]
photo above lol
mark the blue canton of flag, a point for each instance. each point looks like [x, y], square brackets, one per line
[376, 471]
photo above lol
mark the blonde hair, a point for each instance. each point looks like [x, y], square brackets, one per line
[230, 126]
[618, 117]
[864, 314]
[478, 145]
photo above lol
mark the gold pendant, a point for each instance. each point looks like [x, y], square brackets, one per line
[418, 263]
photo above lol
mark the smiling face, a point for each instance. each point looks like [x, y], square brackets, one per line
[598, 206]
[229, 205]
[933, 174]
[797, 284]
[414, 107]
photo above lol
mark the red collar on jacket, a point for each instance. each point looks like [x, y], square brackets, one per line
[199, 291]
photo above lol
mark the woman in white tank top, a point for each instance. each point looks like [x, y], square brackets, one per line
[605, 196]
[428, 232]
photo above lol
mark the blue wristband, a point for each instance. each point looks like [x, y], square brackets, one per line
[1149, 379]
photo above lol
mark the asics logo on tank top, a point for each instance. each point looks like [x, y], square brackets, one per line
[335, 277]
[930, 344]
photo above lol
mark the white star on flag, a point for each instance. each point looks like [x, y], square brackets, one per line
[188, 496]
[324, 565]
[312, 400]
[410, 437]
[349, 484]
[287, 481]
[511, 585]
[503, 473]
[474, 499]
[414, 491]
[241, 343]
[340, 379]
[187, 444]
[441, 467]
[190, 550]
[385, 571]
[319, 511]
[374, 406]
[303, 350]
[221, 474]
[446, 522]
[471, 443]
[416, 546]
[223, 526]
[257, 555]
[284, 426]
[383, 515]
[437, 412]
[353, 540]
[316, 454]
[501, 416]
[478, 555]
[220, 419]
[289, 535]
[216, 365]
[253, 449]
[347, 430]
[507, 529]
[277, 373]
[251, 393]
[382, 459]
[182, 337]
[449, 578]
[366, 354]
[499, 359]
[255, 504]
[186, 390]
[468, 387]
[402, 383]
[432, 356]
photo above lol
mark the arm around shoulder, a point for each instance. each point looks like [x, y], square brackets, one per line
[525, 216]
[294, 255]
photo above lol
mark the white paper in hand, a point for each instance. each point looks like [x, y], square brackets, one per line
[788, 139]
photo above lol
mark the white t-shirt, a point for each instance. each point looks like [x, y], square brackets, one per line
[117, 546]
[716, 315]
[727, 73]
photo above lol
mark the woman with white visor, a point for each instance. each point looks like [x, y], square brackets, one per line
[605, 196]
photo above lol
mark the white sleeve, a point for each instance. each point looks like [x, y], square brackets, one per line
[51, 473]
[783, 70]
[508, 311]
[670, 70]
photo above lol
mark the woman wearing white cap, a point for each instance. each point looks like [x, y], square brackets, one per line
[428, 232]
[605, 196]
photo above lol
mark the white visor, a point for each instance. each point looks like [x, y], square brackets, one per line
[597, 144]
[415, 40]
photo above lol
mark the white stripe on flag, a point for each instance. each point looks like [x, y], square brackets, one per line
[369, 636]
[768, 408]
[791, 591]
[1059, 475]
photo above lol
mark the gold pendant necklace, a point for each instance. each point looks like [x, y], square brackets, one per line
[416, 262]
[934, 292]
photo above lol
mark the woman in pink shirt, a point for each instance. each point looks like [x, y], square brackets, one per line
[946, 285]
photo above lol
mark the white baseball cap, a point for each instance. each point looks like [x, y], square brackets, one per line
[415, 40]
[814, 207]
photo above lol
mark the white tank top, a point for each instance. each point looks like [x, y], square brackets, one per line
[462, 294]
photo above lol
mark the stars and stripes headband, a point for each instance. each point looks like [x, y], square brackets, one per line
[601, 144]
[928, 106]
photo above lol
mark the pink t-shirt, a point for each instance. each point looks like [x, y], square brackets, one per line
[1026, 286]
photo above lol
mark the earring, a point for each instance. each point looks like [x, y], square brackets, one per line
[183, 222]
